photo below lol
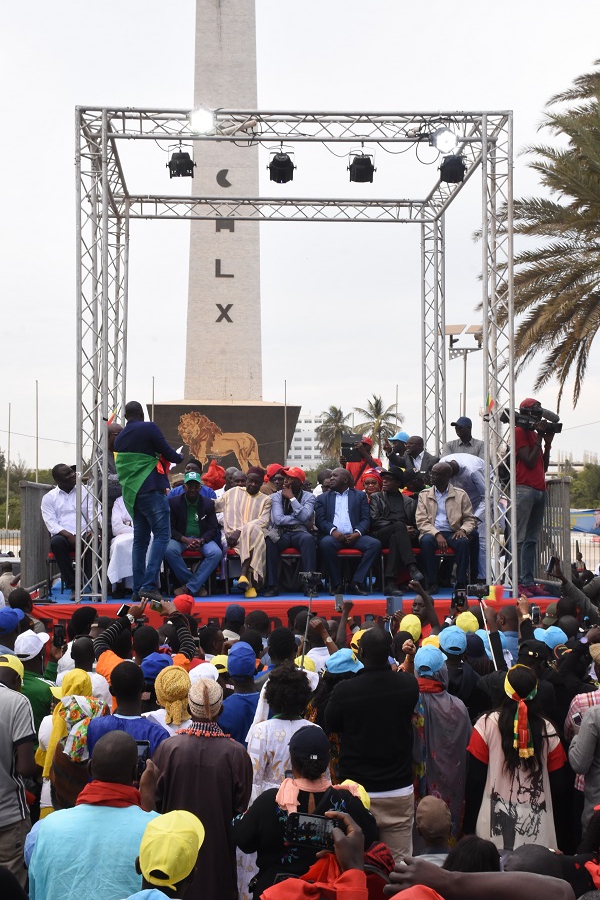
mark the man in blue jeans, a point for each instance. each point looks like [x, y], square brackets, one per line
[194, 526]
[142, 456]
[532, 464]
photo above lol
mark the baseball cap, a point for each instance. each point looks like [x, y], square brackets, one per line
[241, 661]
[193, 476]
[433, 640]
[8, 661]
[429, 660]
[400, 436]
[204, 670]
[235, 613]
[453, 640]
[295, 472]
[433, 819]
[467, 621]
[533, 649]
[366, 440]
[220, 663]
[551, 636]
[169, 847]
[355, 639]
[155, 663]
[184, 603]
[343, 660]
[462, 422]
[29, 644]
[551, 617]
[528, 402]
[307, 663]
[394, 472]
[310, 742]
[412, 624]
[9, 619]
[272, 470]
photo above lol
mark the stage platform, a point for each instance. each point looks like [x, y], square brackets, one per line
[212, 609]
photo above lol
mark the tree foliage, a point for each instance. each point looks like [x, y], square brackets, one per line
[557, 285]
[585, 488]
[378, 422]
[329, 433]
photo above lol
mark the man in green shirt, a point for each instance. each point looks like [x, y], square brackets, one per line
[194, 526]
[37, 680]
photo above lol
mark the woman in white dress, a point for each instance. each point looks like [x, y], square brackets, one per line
[120, 566]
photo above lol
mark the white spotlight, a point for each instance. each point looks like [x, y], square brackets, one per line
[202, 121]
[443, 139]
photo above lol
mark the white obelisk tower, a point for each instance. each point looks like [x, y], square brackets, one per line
[223, 349]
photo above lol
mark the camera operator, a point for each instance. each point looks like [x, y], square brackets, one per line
[532, 464]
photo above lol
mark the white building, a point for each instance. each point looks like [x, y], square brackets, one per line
[305, 450]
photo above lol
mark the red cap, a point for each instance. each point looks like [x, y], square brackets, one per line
[366, 440]
[528, 403]
[295, 472]
[184, 603]
[273, 469]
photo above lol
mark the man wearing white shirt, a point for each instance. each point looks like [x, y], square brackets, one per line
[59, 515]
[468, 474]
[417, 458]
[445, 519]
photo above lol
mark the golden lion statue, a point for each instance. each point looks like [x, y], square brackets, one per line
[207, 441]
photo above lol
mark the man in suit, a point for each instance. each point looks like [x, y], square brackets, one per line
[416, 458]
[445, 519]
[342, 518]
[194, 526]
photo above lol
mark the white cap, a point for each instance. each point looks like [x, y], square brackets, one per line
[204, 670]
[29, 644]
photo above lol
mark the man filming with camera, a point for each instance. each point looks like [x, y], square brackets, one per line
[532, 464]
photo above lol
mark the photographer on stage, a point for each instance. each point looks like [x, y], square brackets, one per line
[532, 464]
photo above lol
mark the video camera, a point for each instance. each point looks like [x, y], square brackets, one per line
[528, 418]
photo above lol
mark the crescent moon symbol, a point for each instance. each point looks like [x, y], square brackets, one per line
[222, 178]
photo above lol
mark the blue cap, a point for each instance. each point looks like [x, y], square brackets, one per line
[462, 422]
[429, 660]
[241, 660]
[481, 632]
[9, 619]
[155, 663]
[400, 436]
[343, 660]
[453, 640]
[235, 613]
[552, 636]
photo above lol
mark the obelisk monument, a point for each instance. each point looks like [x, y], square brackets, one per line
[223, 348]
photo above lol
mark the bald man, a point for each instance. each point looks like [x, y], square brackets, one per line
[90, 850]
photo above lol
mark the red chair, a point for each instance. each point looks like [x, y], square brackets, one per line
[347, 556]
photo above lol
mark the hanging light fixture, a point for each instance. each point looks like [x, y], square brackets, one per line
[361, 166]
[181, 164]
[202, 120]
[281, 167]
[452, 169]
[443, 139]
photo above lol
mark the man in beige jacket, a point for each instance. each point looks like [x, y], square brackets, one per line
[445, 519]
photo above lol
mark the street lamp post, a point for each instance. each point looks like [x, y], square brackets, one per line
[452, 331]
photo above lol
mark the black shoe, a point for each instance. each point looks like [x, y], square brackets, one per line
[151, 594]
[415, 573]
[391, 589]
[433, 589]
[356, 588]
[271, 592]
[333, 590]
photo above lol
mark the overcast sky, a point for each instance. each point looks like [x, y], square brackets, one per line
[348, 295]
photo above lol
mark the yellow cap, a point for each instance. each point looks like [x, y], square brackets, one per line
[363, 796]
[356, 639]
[76, 681]
[412, 624]
[432, 641]
[308, 663]
[11, 662]
[169, 847]
[467, 621]
[220, 663]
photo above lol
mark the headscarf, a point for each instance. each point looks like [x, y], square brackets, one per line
[256, 470]
[373, 473]
[77, 713]
[75, 683]
[172, 687]
[522, 740]
[214, 477]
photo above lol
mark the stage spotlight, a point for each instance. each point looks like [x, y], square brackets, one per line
[443, 139]
[281, 168]
[202, 121]
[361, 167]
[452, 169]
[181, 165]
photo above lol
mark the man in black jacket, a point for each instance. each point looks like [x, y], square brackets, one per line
[194, 526]
[389, 524]
[372, 713]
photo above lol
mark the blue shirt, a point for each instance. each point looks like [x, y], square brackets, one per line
[146, 437]
[441, 522]
[341, 518]
[138, 727]
[238, 714]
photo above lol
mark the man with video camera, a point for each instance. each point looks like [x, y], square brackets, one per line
[534, 425]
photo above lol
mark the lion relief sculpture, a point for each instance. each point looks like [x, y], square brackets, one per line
[206, 441]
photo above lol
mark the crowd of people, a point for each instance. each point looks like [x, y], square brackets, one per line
[426, 515]
[397, 754]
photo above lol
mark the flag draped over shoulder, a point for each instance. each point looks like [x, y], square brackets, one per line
[133, 469]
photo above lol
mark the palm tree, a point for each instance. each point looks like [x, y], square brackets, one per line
[557, 285]
[378, 423]
[329, 433]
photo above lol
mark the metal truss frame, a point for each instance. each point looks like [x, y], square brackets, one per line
[106, 208]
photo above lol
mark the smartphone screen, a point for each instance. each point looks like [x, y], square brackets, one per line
[314, 831]
[143, 751]
[535, 615]
[369, 617]
[123, 610]
[59, 635]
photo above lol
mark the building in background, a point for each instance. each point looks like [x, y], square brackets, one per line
[305, 450]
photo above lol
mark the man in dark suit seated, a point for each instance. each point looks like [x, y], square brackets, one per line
[194, 526]
[342, 519]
